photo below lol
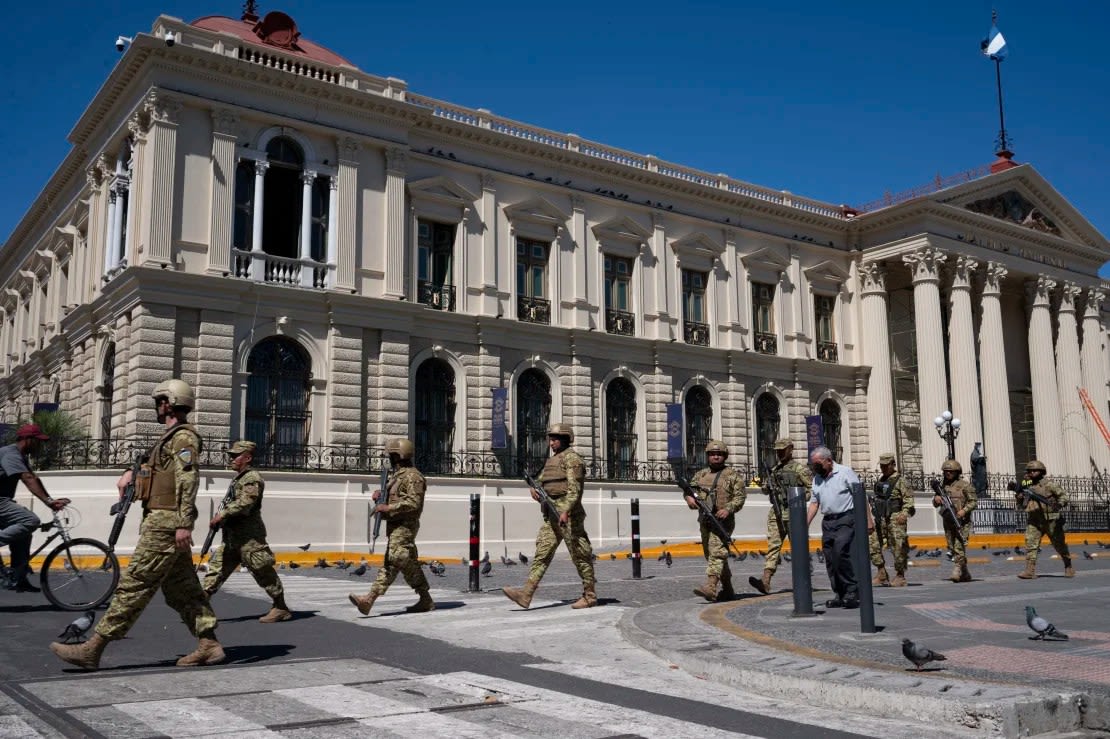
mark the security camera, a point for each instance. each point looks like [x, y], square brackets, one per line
[170, 38]
[122, 42]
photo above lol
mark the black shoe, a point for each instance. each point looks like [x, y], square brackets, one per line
[834, 603]
[851, 603]
[25, 586]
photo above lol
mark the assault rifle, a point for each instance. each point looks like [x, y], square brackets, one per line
[383, 485]
[705, 511]
[949, 509]
[773, 489]
[547, 506]
[880, 509]
[1026, 493]
[123, 505]
[228, 497]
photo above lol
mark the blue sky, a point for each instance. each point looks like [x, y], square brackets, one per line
[836, 101]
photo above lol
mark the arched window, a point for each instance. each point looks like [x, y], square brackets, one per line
[107, 390]
[533, 412]
[278, 388]
[620, 416]
[830, 422]
[699, 424]
[766, 429]
[434, 427]
[282, 193]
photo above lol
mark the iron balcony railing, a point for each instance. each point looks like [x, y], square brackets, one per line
[695, 333]
[826, 351]
[440, 297]
[766, 343]
[533, 310]
[620, 322]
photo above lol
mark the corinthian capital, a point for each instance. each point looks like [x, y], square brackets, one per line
[873, 277]
[162, 108]
[962, 271]
[1039, 290]
[1093, 306]
[395, 160]
[1069, 291]
[993, 275]
[224, 121]
[925, 264]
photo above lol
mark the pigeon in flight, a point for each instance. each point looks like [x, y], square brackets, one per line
[77, 628]
[305, 547]
[1045, 630]
[919, 654]
[358, 571]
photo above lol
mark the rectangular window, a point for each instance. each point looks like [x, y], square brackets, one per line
[763, 318]
[435, 250]
[618, 278]
[824, 307]
[693, 296]
[531, 281]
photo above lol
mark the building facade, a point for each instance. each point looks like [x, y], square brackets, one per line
[331, 259]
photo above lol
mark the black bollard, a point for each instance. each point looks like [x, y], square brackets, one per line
[799, 551]
[475, 521]
[861, 560]
[636, 560]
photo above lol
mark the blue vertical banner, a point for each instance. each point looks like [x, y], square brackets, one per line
[675, 447]
[500, 435]
[815, 433]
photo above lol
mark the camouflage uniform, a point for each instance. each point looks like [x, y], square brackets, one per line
[169, 504]
[405, 498]
[787, 474]
[1045, 521]
[964, 500]
[722, 489]
[244, 541]
[895, 494]
[562, 478]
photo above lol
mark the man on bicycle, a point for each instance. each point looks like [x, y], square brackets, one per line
[17, 523]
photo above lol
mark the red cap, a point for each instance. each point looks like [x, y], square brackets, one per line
[31, 431]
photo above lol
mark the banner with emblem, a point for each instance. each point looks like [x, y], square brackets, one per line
[500, 433]
[815, 433]
[675, 447]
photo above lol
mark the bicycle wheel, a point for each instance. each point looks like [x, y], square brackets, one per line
[79, 575]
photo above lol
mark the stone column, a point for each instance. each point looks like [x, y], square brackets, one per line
[222, 208]
[331, 232]
[394, 265]
[876, 353]
[932, 388]
[258, 259]
[998, 439]
[1073, 417]
[111, 246]
[1042, 370]
[963, 375]
[308, 179]
[1094, 378]
[164, 112]
[345, 255]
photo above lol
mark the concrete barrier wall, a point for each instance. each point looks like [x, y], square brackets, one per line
[330, 511]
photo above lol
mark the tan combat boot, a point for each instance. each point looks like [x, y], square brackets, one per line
[588, 599]
[85, 655]
[208, 652]
[522, 596]
[899, 580]
[1030, 571]
[727, 593]
[881, 577]
[363, 602]
[423, 605]
[278, 612]
[1069, 571]
[957, 571]
[965, 574]
[709, 589]
[764, 585]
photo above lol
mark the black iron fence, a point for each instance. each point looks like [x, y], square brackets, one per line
[1088, 509]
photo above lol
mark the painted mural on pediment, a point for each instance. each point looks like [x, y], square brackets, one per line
[1012, 206]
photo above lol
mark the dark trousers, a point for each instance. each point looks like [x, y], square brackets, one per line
[837, 533]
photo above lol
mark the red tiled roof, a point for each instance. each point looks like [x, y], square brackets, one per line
[246, 30]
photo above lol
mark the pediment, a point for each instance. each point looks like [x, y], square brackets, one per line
[537, 210]
[827, 272]
[442, 190]
[767, 257]
[698, 243]
[621, 229]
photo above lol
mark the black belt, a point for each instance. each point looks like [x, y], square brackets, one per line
[834, 516]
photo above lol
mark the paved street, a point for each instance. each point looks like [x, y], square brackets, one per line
[480, 666]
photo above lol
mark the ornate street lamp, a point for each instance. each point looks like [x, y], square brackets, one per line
[948, 428]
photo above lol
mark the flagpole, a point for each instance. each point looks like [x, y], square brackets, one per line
[1003, 144]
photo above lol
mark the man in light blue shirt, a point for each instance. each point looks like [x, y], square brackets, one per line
[832, 495]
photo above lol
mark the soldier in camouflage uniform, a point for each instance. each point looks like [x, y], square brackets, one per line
[964, 500]
[892, 501]
[786, 474]
[722, 488]
[245, 535]
[163, 558]
[401, 505]
[1044, 520]
[562, 478]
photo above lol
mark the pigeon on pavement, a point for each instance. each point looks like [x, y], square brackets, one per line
[1045, 630]
[670, 560]
[305, 547]
[437, 568]
[487, 567]
[358, 571]
[484, 559]
[523, 559]
[919, 654]
[78, 627]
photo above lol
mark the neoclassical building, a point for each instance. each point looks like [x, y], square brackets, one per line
[332, 259]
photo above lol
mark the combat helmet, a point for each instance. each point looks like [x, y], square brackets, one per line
[561, 429]
[177, 392]
[951, 465]
[716, 446]
[403, 448]
[1035, 465]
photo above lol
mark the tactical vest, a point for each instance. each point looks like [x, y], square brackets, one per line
[554, 476]
[716, 493]
[957, 491]
[1033, 506]
[160, 487]
[261, 489]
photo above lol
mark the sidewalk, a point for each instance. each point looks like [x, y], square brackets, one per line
[996, 681]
